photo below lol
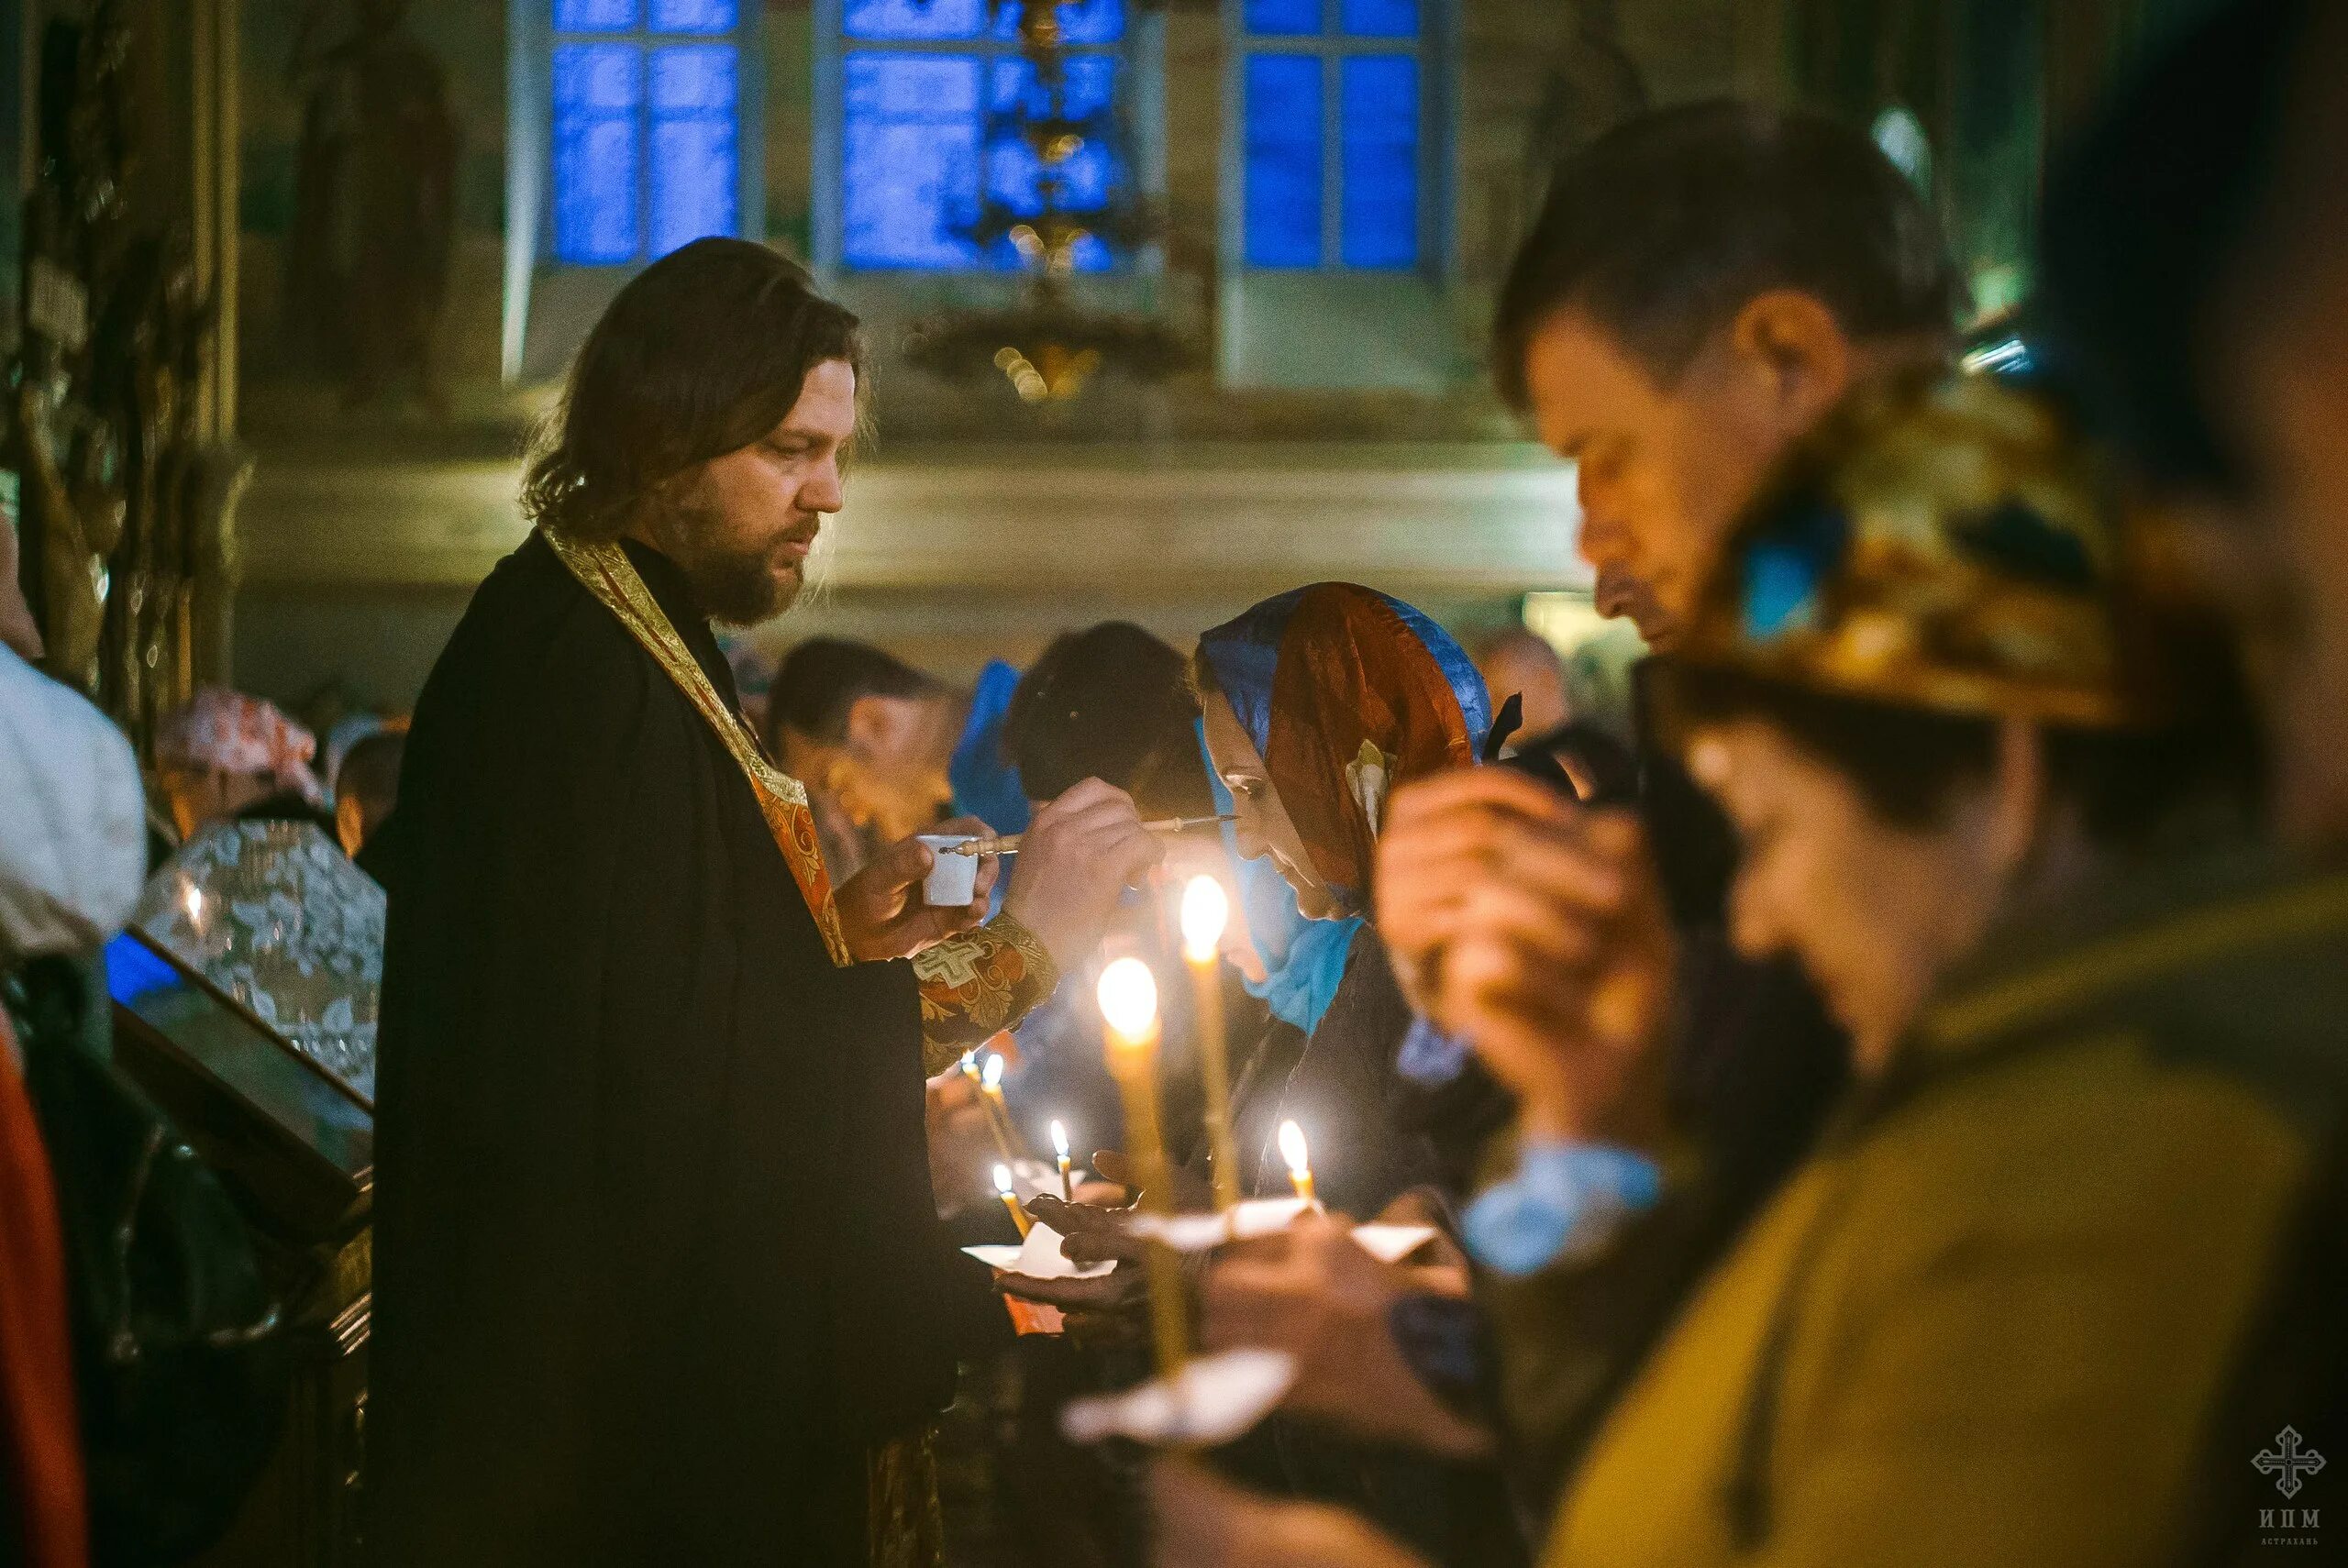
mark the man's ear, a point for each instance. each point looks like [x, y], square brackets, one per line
[1792, 342]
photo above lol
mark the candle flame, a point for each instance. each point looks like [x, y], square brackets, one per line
[1206, 908]
[991, 1076]
[1002, 1181]
[1292, 1148]
[193, 902]
[1060, 1140]
[1129, 998]
[970, 1063]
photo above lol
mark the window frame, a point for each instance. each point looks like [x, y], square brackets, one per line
[1434, 48]
[531, 84]
[1141, 56]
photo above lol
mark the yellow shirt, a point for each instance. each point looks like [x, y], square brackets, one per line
[1987, 1322]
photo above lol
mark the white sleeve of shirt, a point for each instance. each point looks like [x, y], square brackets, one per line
[73, 819]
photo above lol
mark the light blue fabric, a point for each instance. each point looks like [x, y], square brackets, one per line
[1565, 1198]
[1245, 653]
[1460, 672]
[986, 782]
[1301, 989]
[1303, 959]
[1428, 1056]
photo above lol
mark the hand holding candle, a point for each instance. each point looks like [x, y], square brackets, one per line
[1009, 1196]
[1299, 1166]
[1059, 1152]
[1206, 908]
[1128, 996]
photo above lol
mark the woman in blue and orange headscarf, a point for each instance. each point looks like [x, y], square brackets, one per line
[1318, 704]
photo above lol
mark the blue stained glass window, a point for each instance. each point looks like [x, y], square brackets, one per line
[694, 95]
[1088, 88]
[1333, 184]
[1283, 18]
[1284, 175]
[914, 20]
[910, 142]
[596, 16]
[1015, 174]
[1378, 209]
[647, 151]
[1082, 23]
[696, 15]
[597, 89]
[1378, 18]
[928, 138]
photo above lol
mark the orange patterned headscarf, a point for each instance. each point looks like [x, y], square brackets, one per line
[1347, 694]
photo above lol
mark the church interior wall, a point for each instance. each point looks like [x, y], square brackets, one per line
[1388, 368]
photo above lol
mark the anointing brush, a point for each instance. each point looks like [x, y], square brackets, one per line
[1008, 843]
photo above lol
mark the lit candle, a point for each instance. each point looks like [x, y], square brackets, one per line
[1205, 911]
[1300, 1167]
[1003, 1190]
[1059, 1149]
[1129, 1005]
[998, 1114]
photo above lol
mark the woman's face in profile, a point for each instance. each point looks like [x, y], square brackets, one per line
[1263, 828]
[1870, 908]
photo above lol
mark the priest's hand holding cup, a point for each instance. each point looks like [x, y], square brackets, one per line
[1078, 854]
[881, 911]
[1535, 928]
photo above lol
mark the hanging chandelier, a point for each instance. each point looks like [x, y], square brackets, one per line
[1049, 345]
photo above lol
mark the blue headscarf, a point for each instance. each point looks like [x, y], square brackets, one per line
[1303, 959]
[986, 782]
[1347, 693]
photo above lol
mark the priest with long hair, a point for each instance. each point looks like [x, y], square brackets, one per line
[658, 1275]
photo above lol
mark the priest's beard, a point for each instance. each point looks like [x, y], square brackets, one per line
[737, 579]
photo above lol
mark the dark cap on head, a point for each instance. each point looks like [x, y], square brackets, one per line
[822, 678]
[1112, 702]
[1664, 227]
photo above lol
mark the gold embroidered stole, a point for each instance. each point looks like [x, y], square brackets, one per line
[605, 571]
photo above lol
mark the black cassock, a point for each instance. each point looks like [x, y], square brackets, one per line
[657, 1267]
